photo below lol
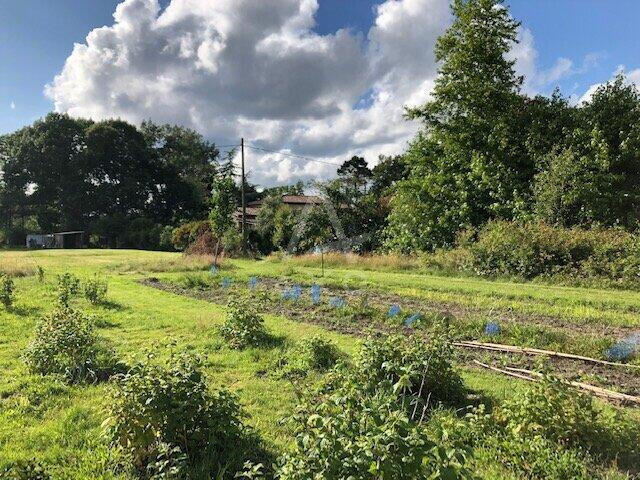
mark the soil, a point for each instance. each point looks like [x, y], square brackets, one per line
[356, 322]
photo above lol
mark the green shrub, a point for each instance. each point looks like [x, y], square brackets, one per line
[313, 354]
[167, 419]
[25, 470]
[421, 371]
[41, 273]
[7, 287]
[68, 287]
[550, 431]
[95, 290]
[243, 326]
[353, 436]
[65, 343]
[196, 281]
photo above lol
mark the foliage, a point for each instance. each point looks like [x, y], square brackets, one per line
[41, 273]
[313, 354]
[187, 233]
[535, 249]
[95, 290]
[550, 431]
[243, 326]
[420, 372]
[171, 424]
[68, 287]
[222, 208]
[26, 470]
[7, 287]
[65, 343]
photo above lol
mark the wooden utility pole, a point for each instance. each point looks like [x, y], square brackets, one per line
[244, 204]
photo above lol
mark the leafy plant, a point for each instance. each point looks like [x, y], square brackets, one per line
[164, 415]
[315, 354]
[420, 372]
[68, 287]
[7, 287]
[25, 470]
[95, 290]
[41, 273]
[355, 436]
[243, 326]
[65, 343]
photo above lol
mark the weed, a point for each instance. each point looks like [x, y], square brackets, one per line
[41, 273]
[7, 287]
[314, 354]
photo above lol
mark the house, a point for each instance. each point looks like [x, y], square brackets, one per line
[296, 202]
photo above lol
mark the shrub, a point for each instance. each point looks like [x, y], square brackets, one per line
[243, 326]
[68, 286]
[348, 435]
[187, 233]
[65, 343]
[167, 419]
[421, 371]
[550, 431]
[6, 290]
[41, 273]
[25, 470]
[315, 354]
[95, 290]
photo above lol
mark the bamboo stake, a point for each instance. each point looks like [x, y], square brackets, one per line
[528, 375]
[496, 347]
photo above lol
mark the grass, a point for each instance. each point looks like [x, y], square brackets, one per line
[61, 425]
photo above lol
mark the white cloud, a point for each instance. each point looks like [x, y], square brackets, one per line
[13, 105]
[631, 77]
[256, 69]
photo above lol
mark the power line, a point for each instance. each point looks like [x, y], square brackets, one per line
[293, 155]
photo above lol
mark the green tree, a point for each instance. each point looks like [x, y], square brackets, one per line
[223, 206]
[355, 175]
[469, 163]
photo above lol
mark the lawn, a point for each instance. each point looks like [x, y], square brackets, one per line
[60, 425]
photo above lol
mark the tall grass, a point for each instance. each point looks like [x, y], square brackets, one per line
[17, 267]
[352, 260]
[182, 263]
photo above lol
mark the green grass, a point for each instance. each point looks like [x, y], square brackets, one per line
[61, 425]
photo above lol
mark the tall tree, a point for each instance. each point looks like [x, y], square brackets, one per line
[223, 206]
[469, 163]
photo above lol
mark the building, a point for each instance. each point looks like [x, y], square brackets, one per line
[56, 240]
[296, 202]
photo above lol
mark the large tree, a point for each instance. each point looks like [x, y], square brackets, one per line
[469, 163]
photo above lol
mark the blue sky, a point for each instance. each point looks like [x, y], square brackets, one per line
[36, 36]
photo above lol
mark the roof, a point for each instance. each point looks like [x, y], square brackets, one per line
[302, 199]
[69, 233]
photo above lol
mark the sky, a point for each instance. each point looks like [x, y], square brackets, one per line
[321, 79]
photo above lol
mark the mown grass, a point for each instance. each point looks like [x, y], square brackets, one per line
[60, 425]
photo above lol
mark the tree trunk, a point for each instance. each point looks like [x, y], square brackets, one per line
[215, 257]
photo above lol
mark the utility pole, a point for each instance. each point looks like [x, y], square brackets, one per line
[244, 204]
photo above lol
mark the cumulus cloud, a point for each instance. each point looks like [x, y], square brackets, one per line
[631, 77]
[257, 69]
[13, 105]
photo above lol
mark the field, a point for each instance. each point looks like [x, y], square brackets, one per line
[164, 302]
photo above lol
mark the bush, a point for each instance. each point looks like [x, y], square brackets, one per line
[65, 343]
[95, 290]
[535, 249]
[171, 424]
[243, 326]
[68, 287]
[421, 371]
[355, 436]
[314, 354]
[550, 431]
[187, 233]
[6, 290]
[41, 273]
[25, 470]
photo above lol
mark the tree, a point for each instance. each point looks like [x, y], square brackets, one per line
[469, 164]
[387, 173]
[355, 174]
[223, 206]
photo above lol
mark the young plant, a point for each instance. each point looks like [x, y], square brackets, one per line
[7, 287]
[95, 290]
[65, 343]
[243, 326]
[68, 287]
[168, 420]
[313, 354]
[41, 273]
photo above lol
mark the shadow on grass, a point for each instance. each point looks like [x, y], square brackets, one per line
[23, 311]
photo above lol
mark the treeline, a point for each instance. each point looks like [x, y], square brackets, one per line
[126, 186]
[487, 151]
